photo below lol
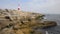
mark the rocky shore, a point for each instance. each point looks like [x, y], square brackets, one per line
[19, 22]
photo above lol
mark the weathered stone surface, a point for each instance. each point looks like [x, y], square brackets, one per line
[7, 31]
[18, 22]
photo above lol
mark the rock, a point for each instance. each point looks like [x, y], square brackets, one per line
[7, 31]
[50, 24]
[16, 27]
[39, 32]
[19, 32]
[19, 22]
[45, 24]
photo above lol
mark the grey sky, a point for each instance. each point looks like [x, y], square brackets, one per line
[40, 6]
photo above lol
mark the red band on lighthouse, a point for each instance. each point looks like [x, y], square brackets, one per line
[18, 6]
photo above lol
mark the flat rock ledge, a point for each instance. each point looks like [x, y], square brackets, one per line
[19, 22]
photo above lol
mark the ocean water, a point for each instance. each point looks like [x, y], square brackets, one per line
[53, 17]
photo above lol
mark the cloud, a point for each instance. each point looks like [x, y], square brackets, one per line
[40, 6]
[43, 6]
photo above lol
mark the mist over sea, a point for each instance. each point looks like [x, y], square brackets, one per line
[53, 17]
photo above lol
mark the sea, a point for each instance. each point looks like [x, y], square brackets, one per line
[53, 17]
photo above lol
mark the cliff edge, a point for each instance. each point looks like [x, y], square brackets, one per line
[19, 22]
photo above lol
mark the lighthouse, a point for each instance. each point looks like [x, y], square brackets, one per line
[19, 7]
